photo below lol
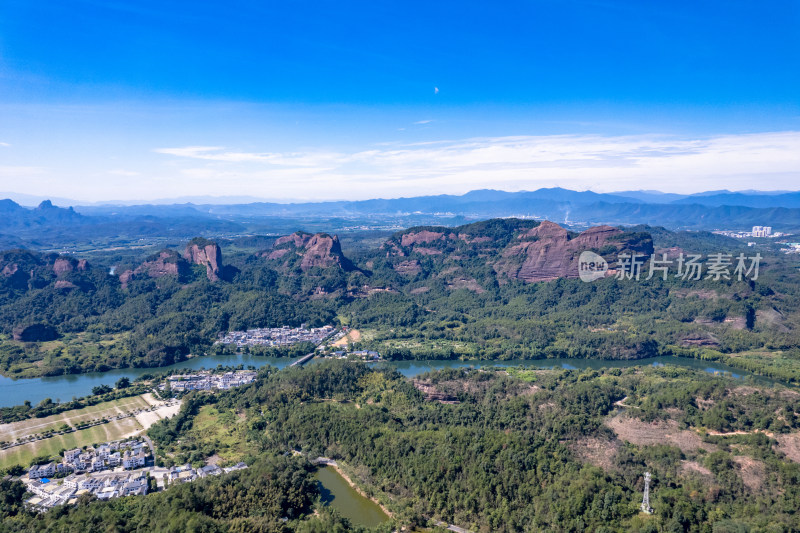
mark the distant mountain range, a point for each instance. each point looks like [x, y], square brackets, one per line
[48, 225]
[715, 210]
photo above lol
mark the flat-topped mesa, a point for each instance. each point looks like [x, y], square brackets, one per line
[549, 252]
[306, 251]
[202, 251]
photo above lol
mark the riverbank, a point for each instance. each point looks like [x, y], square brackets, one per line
[339, 491]
[16, 392]
[358, 489]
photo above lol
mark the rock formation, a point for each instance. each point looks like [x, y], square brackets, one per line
[165, 263]
[307, 251]
[548, 252]
[201, 251]
[67, 264]
[516, 249]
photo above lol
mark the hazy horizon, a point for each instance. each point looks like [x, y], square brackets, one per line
[32, 200]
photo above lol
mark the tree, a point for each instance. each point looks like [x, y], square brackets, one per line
[100, 389]
[123, 383]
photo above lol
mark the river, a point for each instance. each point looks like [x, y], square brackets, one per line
[64, 388]
[338, 493]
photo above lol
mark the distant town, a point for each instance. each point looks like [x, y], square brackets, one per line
[757, 231]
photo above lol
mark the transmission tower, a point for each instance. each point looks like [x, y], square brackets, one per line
[646, 498]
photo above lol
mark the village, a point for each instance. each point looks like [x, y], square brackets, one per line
[110, 470]
[126, 467]
[283, 336]
[206, 380]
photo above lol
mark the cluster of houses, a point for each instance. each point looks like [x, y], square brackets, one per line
[207, 380]
[108, 471]
[104, 486]
[284, 336]
[87, 472]
[186, 473]
[127, 454]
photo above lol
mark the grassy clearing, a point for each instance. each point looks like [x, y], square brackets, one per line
[213, 433]
[221, 428]
[17, 430]
[114, 430]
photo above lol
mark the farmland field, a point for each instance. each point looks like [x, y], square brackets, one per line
[116, 429]
[23, 428]
[113, 430]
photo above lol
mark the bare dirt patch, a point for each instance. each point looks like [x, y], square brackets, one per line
[148, 418]
[789, 444]
[644, 433]
[466, 283]
[432, 394]
[150, 399]
[744, 391]
[215, 459]
[693, 467]
[704, 404]
[772, 317]
[352, 336]
[596, 451]
[751, 470]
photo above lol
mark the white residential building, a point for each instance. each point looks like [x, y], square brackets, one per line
[40, 471]
[71, 455]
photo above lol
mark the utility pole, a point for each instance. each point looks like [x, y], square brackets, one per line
[646, 498]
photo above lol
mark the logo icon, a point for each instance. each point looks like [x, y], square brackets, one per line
[591, 266]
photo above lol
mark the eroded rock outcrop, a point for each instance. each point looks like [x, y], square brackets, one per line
[165, 263]
[548, 251]
[306, 251]
[201, 251]
[64, 264]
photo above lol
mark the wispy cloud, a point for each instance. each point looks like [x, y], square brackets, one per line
[423, 122]
[4, 144]
[764, 160]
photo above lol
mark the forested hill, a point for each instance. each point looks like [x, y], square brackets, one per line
[502, 288]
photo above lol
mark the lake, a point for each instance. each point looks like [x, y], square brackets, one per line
[338, 493]
[64, 388]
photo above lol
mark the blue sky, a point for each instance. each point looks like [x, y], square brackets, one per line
[103, 100]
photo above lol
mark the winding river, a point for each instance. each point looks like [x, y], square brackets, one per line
[64, 388]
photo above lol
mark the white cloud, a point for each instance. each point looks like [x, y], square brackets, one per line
[423, 122]
[764, 160]
[5, 145]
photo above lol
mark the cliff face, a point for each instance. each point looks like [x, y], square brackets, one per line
[205, 252]
[549, 252]
[63, 265]
[515, 249]
[307, 251]
[22, 269]
[165, 263]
